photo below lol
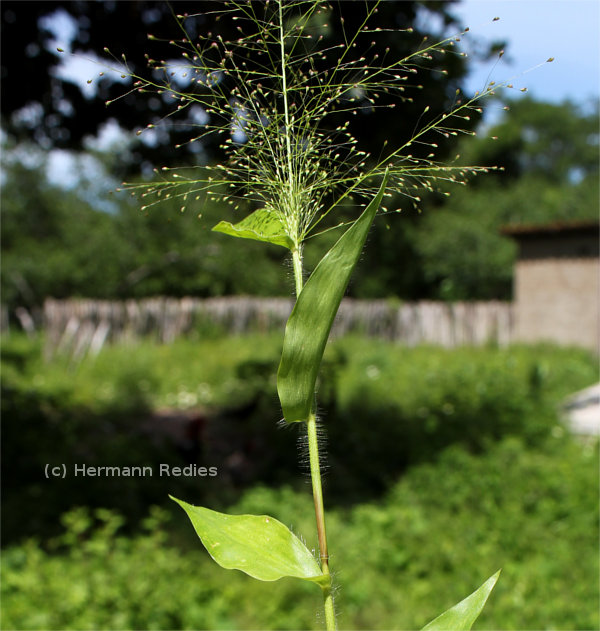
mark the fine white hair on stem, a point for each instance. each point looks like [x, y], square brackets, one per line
[303, 449]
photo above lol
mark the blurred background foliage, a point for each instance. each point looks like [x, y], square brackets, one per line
[46, 107]
[445, 464]
[60, 243]
[402, 557]
[442, 466]
[63, 235]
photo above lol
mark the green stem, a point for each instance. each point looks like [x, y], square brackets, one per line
[315, 475]
[297, 262]
[288, 142]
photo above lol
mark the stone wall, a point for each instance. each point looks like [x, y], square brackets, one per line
[557, 290]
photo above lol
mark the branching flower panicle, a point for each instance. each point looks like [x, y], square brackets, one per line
[277, 117]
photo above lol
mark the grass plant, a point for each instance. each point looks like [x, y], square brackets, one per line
[283, 122]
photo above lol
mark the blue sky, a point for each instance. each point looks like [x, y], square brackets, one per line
[568, 30]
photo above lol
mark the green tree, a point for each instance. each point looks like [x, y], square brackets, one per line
[557, 142]
[56, 242]
[174, 253]
[549, 153]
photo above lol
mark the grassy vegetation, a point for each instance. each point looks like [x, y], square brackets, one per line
[178, 375]
[225, 371]
[448, 464]
[421, 548]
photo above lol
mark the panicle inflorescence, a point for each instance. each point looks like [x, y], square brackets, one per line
[274, 95]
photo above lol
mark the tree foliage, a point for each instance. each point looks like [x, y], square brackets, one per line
[56, 243]
[549, 153]
[556, 142]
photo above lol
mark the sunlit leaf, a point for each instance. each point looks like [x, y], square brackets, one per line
[309, 324]
[462, 616]
[258, 545]
[261, 225]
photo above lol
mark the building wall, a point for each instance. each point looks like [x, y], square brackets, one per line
[557, 290]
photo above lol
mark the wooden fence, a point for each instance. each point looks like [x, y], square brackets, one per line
[79, 327]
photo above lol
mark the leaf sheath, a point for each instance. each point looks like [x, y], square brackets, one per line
[311, 319]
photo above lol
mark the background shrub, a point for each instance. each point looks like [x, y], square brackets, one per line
[390, 407]
[385, 408]
[430, 540]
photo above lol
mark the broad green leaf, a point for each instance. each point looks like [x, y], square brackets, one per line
[261, 225]
[259, 545]
[462, 616]
[309, 324]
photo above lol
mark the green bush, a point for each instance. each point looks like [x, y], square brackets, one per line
[390, 407]
[97, 413]
[185, 373]
[435, 535]
[40, 429]
[385, 408]
[532, 512]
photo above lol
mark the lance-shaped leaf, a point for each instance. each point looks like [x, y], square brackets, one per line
[462, 616]
[310, 322]
[261, 225]
[258, 545]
